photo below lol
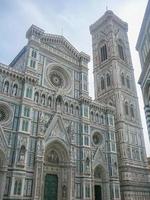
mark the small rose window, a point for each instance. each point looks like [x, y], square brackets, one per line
[97, 138]
[5, 113]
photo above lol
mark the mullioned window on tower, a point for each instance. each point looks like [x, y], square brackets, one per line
[103, 51]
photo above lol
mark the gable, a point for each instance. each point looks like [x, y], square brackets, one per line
[56, 129]
[99, 158]
[61, 44]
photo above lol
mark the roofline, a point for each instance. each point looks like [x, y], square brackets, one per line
[143, 26]
[108, 15]
[41, 35]
[18, 56]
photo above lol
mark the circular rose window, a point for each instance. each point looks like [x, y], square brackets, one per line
[97, 138]
[5, 113]
[58, 77]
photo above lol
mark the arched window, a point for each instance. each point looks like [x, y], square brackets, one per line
[126, 108]
[129, 152]
[87, 163]
[110, 103]
[132, 110]
[66, 107]
[15, 89]
[102, 83]
[49, 101]
[97, 117]
[92, 116]
[59, 101]
[102, 118]
[108, 80]
[43, 99]
[36, 97]
[77, 110]
[34, 54]
[122, 79]
[22, 154]
[103, 52]
[29, 92]
[128, 82]
[17, 186]
[121, 51]
[6, 87]
[71, 109]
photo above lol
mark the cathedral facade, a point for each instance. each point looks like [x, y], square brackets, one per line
[56, 143]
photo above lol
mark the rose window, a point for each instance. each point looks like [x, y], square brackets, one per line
[56, 79]
[97, 138]
[5, 113]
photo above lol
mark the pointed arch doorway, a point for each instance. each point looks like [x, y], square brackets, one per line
[100, 183]
[51, 187]
[57, 172]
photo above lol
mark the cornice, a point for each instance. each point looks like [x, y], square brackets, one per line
[43, 37]
[10, 71]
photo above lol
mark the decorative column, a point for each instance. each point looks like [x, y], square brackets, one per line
[39, 159]
[3, 172]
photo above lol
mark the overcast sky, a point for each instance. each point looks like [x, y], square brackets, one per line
[71, 18]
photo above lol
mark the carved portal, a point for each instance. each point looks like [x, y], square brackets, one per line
[101, 185]
[57, 172]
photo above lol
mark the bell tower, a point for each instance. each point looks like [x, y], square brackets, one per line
[114, 84]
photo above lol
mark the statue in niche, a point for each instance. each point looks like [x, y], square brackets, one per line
[87, 163]
[40, 147]
[64, 191]
[22, 154]
[15, 88]
[53, 157]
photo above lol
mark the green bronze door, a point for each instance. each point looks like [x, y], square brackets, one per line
[51, 186]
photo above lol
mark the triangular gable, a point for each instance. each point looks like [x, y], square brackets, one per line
[56, 129]
[98, 158]
[61, 43]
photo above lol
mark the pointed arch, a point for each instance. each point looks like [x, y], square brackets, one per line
[128, 81]
[121, 49]
[43, 99]
[108, 79]
[66, 107]
[126, 107]
[36, 97]
[102, 83]
[6, 86]
[122, 79]
[103, 54]
[15, 89]
[49, 101]
[132, 110]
